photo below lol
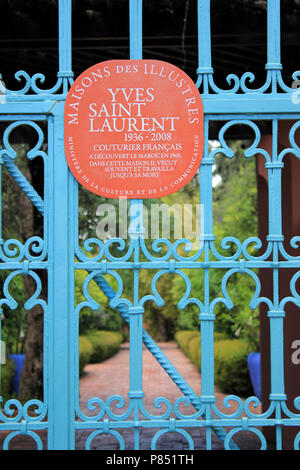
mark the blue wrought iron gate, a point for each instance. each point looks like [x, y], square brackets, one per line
[59, 413]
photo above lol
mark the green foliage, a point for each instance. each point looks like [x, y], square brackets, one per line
[97, 346]
[104, 318]
[194, 351]
[85, 352]
[160, 322]
[163, 322]
[184, 337]
[11, 217]
[189, 342]
[187, 318]
[231, 370]
[7, 373]
[235, 214]
[105, 344]
[218, 335]
[14, 324]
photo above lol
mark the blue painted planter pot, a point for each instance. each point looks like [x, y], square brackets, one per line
[19, 361]
[254, 371]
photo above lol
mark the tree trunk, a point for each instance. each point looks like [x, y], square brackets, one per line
[31, 383]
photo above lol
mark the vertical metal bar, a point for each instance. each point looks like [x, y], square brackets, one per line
[207, 354]
[273, 32]
[60, 292]
[136, 206]
[274, 177]
[276, 351]
[277, 366]
[60, 284]
[273, 64]
[136, 29]
[204, 43]
[65, 42]
[276, 315]
[206, 318]
[204, 34]
[274, 237]
[136, 327]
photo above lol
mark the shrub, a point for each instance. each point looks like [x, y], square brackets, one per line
[105, 318]
[231, 370]
[125, 334]
[105, 344]
[85, 352]
[189, 343]
[194, 351]
[7, 373]
[183, 338]
[218, 335]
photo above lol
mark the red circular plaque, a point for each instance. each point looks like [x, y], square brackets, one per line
[133, 128]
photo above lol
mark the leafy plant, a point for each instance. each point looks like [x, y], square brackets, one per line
[7, 373]
[105, 344]
[85, 352]
[14, 322]
[235, 214]
[97, 346]
[230, 360]
[231, 370]
[105, 317]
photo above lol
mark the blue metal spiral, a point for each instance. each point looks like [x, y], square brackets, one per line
[24, 184]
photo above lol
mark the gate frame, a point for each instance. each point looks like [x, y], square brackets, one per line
[224, 105]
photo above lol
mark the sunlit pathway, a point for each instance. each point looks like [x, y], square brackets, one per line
[112, 378]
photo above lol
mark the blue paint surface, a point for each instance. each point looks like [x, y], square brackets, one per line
[19, 362]
[58, 252]
[254, 371]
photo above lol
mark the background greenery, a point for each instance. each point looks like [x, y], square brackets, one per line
[235, 214]
[230, 360]
[97, 346]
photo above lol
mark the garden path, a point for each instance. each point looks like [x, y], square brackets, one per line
[112, 377]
